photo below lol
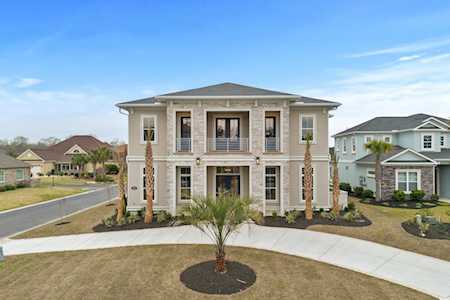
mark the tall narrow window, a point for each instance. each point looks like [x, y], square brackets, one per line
[302, 184]
[149, 130]
[271, 134]
[185, 183]
[307, 124]
[344, 145]
[353, 144]
[427, 142]
[442, 141]
[271, 183]
[144, 185]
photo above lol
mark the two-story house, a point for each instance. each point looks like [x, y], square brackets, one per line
[228, 138]
[419, 160]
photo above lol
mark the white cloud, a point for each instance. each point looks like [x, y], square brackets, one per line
[406, 48]
[408, 87]
[27, 82]
[409, 57]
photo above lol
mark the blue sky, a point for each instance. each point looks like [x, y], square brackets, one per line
[63, 65]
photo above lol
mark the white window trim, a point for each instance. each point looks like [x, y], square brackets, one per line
[368, 173]
[2, 176]
[277, 183]
[141, 133]
[155, 185]
[23, 174]
[387, 136]
[419, 178]
[344, 145]
[314, 140]
[422, 142]
[302, 201]
[179, 175]
[353, 142]
[366, 141]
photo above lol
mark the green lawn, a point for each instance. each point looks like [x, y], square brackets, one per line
[43, 191]
[62, 180]
[153, 272]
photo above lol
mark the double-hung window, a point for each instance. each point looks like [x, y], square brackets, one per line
[407, 180]
[20, 174]
[353, 144]
[427, 142]
[307, 128]
[302, 184]
[185, 183]
[443, 141]
[271, 183]
[149, 129]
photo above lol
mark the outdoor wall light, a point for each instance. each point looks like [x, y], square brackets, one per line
[258, 160]
[197, 161]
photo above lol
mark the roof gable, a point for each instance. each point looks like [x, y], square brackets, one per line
[29, 155]
[75, 149]
[408, 156]
[8, 162]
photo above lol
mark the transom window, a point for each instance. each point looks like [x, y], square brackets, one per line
[427, 140]
[302, 184]
[149, 130]
[271, 183]
[2, 176]
[144, 185]
[307, 124]
[20, 174]
[407, 180]
[185, 183]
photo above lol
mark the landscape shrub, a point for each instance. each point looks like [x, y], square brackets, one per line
[352, 215]
[274, 214]
[2, 189]
[358, 191]
[417, 195]
[163, 216]
[351, 206]
[10, 187]
[291, 216]
[345, 187]
[111, 169]
[21, 185]
[398, 195]
[328, 215]
[434, 197]
[367, 194]
[104, 178]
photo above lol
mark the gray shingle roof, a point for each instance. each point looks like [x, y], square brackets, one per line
[444, 154]
[391, 123]
[370, 158]
[8, 162]
[228, 89]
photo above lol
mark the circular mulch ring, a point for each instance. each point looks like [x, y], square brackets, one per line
[204, 279]
[435, 232]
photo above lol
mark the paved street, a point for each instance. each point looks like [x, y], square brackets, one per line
[423, 273]
[20, 219]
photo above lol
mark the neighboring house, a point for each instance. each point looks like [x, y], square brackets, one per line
[228, 138]
[57, 158]
[420, 158]
[13, 171]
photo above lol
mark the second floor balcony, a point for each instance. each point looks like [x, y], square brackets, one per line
[228, 145]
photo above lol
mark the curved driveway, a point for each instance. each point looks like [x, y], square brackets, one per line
[423, 273]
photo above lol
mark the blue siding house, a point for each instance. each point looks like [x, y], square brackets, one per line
[419, 159]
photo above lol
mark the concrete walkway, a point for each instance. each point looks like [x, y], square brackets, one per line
[423, 273]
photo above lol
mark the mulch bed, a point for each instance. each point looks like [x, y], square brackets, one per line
[402, 204]
[302, 223]
[204, 279]
[138, 225]
[435, 232]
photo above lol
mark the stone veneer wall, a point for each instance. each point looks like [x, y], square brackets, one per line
[388, 180]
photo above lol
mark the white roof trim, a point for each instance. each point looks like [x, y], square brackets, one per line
[140, 104]
[437, 120]
[432, 123]
[28, 150]
[71, 149]
[228, 97]
[386, 161]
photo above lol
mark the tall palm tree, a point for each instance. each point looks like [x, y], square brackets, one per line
[149, 184]
[94, 158]
[104, 154]
[121, 203]
[336, 189]
[80, 160]
[218, 217]
[378, 148]
[308, 178]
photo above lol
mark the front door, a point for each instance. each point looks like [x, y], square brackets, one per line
[228, 180]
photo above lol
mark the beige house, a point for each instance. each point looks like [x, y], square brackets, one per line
[232, 138]
[58, 158]
[13, 171]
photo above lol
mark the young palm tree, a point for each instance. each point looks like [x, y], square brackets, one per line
[104, 154]
[121, 203]
[149, 182]
[94, 158]
[80, 160]
[308, 177]
[336, 190]
[378, 148]
[218, 218]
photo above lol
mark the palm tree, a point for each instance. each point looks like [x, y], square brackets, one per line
[336, 190]
[218, 218]
[308, 178]
[104, 154]
[378, 148]
[121, 203]
[94, 158]
[80, 160]
[149, 182]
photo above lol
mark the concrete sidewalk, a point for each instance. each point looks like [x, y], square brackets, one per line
[423, 273]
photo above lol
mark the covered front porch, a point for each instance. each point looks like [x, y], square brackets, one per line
[234, 180]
